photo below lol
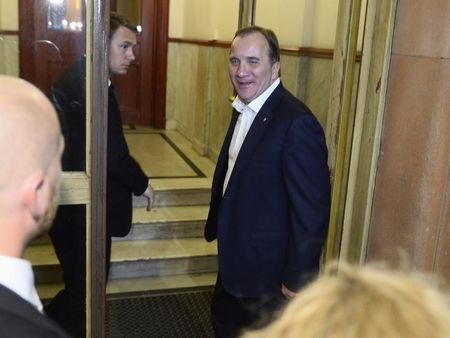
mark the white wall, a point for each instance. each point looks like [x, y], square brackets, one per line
[284, 17]
[9, 15]
[297, 23]
[203, 19]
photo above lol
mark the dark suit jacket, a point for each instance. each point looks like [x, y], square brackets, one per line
[18, 318]
[272, 221]
[124, 175]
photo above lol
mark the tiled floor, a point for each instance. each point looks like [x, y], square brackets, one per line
[166, 154]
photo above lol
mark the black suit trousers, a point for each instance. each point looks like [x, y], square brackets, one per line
[232, 315]
[68, 234]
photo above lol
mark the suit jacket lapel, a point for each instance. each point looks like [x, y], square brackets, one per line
[256, 131]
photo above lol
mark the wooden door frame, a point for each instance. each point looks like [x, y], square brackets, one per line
[97, 73]
[160, 63]
[26, 59]
[356, 161]
[154, 59]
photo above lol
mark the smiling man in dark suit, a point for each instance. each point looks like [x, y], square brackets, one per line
[270, 198]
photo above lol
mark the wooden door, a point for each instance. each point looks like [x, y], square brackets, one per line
[47, 49]
[52, 36]
[142, 91]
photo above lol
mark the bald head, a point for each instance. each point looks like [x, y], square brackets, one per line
[30, 148]
[29, 129]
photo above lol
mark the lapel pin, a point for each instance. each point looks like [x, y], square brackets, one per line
[265, 119]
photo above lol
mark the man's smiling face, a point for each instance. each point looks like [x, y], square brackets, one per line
[250, 67]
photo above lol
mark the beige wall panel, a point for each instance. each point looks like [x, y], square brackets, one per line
[317, 85]
[221, 91]
[173, 51]
[9, 55]
[9, 15]
[183, 84]
[203, 99]
[291, 72]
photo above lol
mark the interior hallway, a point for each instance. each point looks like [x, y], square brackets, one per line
[174, 300]
[165, 248]
[182, 181]
[162, 273]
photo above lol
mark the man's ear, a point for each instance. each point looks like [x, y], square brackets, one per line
[33, 195]
[275, 70]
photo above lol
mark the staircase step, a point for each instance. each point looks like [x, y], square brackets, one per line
[45, 263]
[133, 259]
[161, 283]
[165, 248]
[178, 191]
[167, 222]
[162, 257]
[159, 223]
[130, 285]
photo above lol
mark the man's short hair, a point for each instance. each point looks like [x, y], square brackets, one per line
[269, 35]
[117, 20]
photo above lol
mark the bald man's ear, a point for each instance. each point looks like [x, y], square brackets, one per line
[34, 196]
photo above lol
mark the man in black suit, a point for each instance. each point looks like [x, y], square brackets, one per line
[124, 176]
[270, 193]
[31, 145]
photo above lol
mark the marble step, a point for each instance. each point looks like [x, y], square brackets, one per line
[178, 191]
[136, 259]
[144, 284]
[131, 259]
[159, 223]
[167, 222]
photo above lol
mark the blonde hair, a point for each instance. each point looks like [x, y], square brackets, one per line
[364, 302]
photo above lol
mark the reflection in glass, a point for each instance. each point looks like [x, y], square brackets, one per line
[52, 43]
[68, 235]
[132, 10]
[64, 16]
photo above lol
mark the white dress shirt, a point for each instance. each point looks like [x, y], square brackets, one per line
[244, 122]
[17, 275]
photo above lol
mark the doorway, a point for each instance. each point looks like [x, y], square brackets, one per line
[142, 91]
[47, 49]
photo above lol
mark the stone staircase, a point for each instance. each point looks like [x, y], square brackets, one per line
[164, 250]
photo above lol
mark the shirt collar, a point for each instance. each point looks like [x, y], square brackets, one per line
[17, 275]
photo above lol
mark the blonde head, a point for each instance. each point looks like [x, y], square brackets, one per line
[364, 303]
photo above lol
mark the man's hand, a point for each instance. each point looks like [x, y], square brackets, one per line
[287, 293]
[150, 194]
